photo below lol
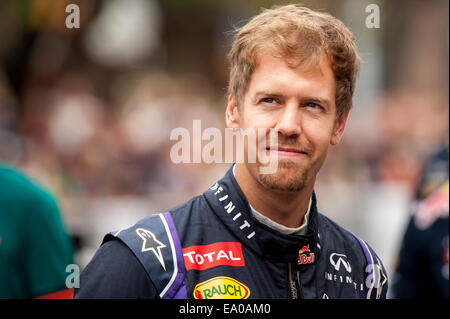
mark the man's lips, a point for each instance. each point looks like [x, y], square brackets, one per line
[286, 151]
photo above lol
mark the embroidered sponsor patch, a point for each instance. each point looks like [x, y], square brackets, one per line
[218, 254]
[221, 288]
[151, 243]
[340, 259]
[305, 256]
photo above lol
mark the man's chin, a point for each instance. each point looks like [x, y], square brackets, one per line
[288, 177]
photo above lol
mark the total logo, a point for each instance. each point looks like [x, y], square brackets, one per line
[218, 254]
[221, 288]
[305, 256]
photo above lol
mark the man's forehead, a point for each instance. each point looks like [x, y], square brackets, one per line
[271, 79]
[309, 64]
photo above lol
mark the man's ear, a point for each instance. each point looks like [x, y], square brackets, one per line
[338, 130]
[232, 112]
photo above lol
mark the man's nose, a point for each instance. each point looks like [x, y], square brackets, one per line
[289, 121]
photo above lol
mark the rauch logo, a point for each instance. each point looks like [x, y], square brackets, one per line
[221, 288]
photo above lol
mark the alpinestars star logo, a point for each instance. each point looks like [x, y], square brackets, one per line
[151, 243]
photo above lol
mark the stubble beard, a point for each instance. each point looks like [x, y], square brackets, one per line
[289, 177]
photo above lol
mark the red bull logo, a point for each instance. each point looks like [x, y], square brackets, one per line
[304, 249]
[305, 256]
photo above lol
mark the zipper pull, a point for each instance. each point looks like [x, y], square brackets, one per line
[292, 287]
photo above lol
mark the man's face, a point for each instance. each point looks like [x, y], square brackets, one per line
[300, 106]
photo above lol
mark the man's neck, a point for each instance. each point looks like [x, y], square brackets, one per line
[285, 208]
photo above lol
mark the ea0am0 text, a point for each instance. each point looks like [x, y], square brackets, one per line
[246, 308]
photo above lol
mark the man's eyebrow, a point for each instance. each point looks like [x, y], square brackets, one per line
[266, 93]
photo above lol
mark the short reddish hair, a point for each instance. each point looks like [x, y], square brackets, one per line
[302, 36]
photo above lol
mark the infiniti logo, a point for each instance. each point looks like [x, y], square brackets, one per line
[337, 259]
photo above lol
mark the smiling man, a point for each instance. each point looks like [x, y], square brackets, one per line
[299, 105]
[254, 234]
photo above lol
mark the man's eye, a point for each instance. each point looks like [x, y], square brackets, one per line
[314, 105]
[268, 100]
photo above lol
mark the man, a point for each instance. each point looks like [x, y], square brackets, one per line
[253, 234]
[422, 269]
[35, 248]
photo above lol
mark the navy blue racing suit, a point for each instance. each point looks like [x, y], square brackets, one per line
[211, 247]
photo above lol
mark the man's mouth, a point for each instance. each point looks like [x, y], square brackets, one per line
[286, 151]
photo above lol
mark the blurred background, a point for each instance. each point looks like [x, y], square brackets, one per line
[88, 111]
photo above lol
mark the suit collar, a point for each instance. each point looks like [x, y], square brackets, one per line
[230, 205]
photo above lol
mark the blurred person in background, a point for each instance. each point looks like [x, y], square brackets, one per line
[422, 267]
[35, 248]
[252, 235]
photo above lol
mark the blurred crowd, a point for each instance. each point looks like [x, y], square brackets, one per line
[86, 129]
[88, 112]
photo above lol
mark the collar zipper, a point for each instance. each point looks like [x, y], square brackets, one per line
[291, 283]
[295, 285]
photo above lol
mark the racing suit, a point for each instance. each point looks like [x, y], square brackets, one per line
[212, 247]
